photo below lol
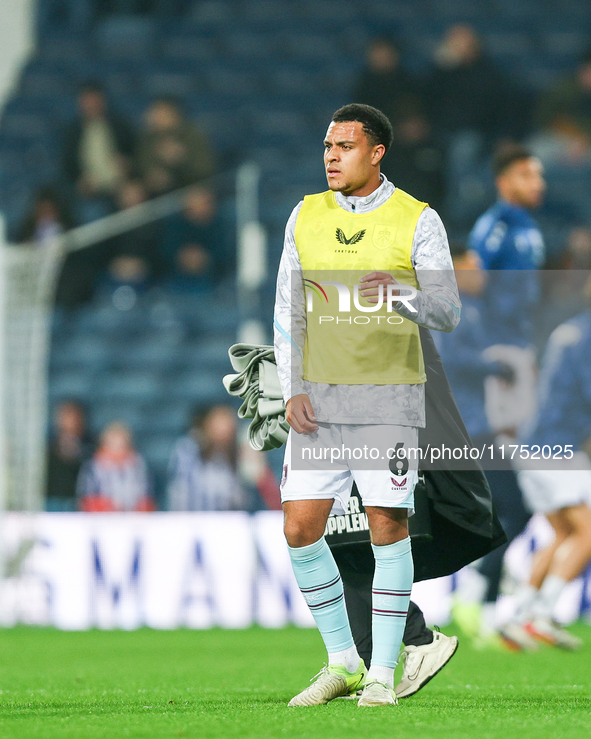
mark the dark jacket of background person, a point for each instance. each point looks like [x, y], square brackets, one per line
[195, 249]
[455, 521]
[172, 152]
[47, 218]
[69, 448]
[383, 82]
[467, 91]
[564, 111]
[134, 256]
[416, 161]
[123, 139]
[466, 367]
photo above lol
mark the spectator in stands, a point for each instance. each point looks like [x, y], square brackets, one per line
[133, 256]
[415, 161]
[577, 255]
[97, 154]
[116, 478]
[473, 105]
[564, 117]
[205, 470]
[172, 151]
[48, 218]
[469, 93]
[69, 448]
[195, 246]
[383, 83]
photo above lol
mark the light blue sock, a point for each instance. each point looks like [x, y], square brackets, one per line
[392, 584]
[317, 575]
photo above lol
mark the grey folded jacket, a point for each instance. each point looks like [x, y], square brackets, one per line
[257, 383]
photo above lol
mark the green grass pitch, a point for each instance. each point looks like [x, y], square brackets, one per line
[202, 684]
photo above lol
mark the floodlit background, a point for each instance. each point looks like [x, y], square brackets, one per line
[151, 152]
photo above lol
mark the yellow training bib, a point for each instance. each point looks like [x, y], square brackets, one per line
[348, 340]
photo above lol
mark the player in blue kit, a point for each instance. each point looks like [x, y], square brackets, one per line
[511, 248]
[556, 479]
[467, 368]
[510, 244]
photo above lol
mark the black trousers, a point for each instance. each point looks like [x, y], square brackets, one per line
[356, 565]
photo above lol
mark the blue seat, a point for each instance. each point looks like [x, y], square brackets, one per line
[247, 45]
[188, 49]
[126, 37]
[332, 11]
[63, 48]
[103, 413]
[228, 80]
[274, 14]
[73, 384]
[212, 12]
[196, 387]
[207, 354]
[83, 351]
[148, 353]
[167, 417]
[137, 386]
[313, 46]
[157, 450]
[567, 43]
[159, 84]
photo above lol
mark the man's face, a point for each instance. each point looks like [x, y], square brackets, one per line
[92, 103]
[523, 183]
[350, 160]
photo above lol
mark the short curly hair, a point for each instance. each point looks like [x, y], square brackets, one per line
[376, 125]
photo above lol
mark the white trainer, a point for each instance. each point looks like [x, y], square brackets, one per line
[377, 694]
[424, 662]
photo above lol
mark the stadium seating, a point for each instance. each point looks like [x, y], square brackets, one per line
[259, 75]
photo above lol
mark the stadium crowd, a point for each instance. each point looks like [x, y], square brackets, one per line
[454, 121]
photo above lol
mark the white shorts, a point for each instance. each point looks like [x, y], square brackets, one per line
[557, 484]
[379, 458]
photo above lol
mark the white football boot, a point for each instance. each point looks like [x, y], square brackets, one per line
[424, 662]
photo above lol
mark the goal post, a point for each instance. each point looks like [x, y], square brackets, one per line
[28, 278]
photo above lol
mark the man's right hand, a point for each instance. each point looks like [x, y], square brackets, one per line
[300, 414]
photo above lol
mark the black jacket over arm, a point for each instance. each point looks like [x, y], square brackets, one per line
[455, 522]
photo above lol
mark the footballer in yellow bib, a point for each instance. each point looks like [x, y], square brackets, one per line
[349, 341]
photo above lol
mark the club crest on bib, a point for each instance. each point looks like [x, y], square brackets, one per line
[383, 236]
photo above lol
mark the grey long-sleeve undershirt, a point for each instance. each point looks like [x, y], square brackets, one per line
[437, 304]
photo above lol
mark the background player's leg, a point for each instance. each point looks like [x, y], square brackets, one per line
[475, 603]
[514, 518]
